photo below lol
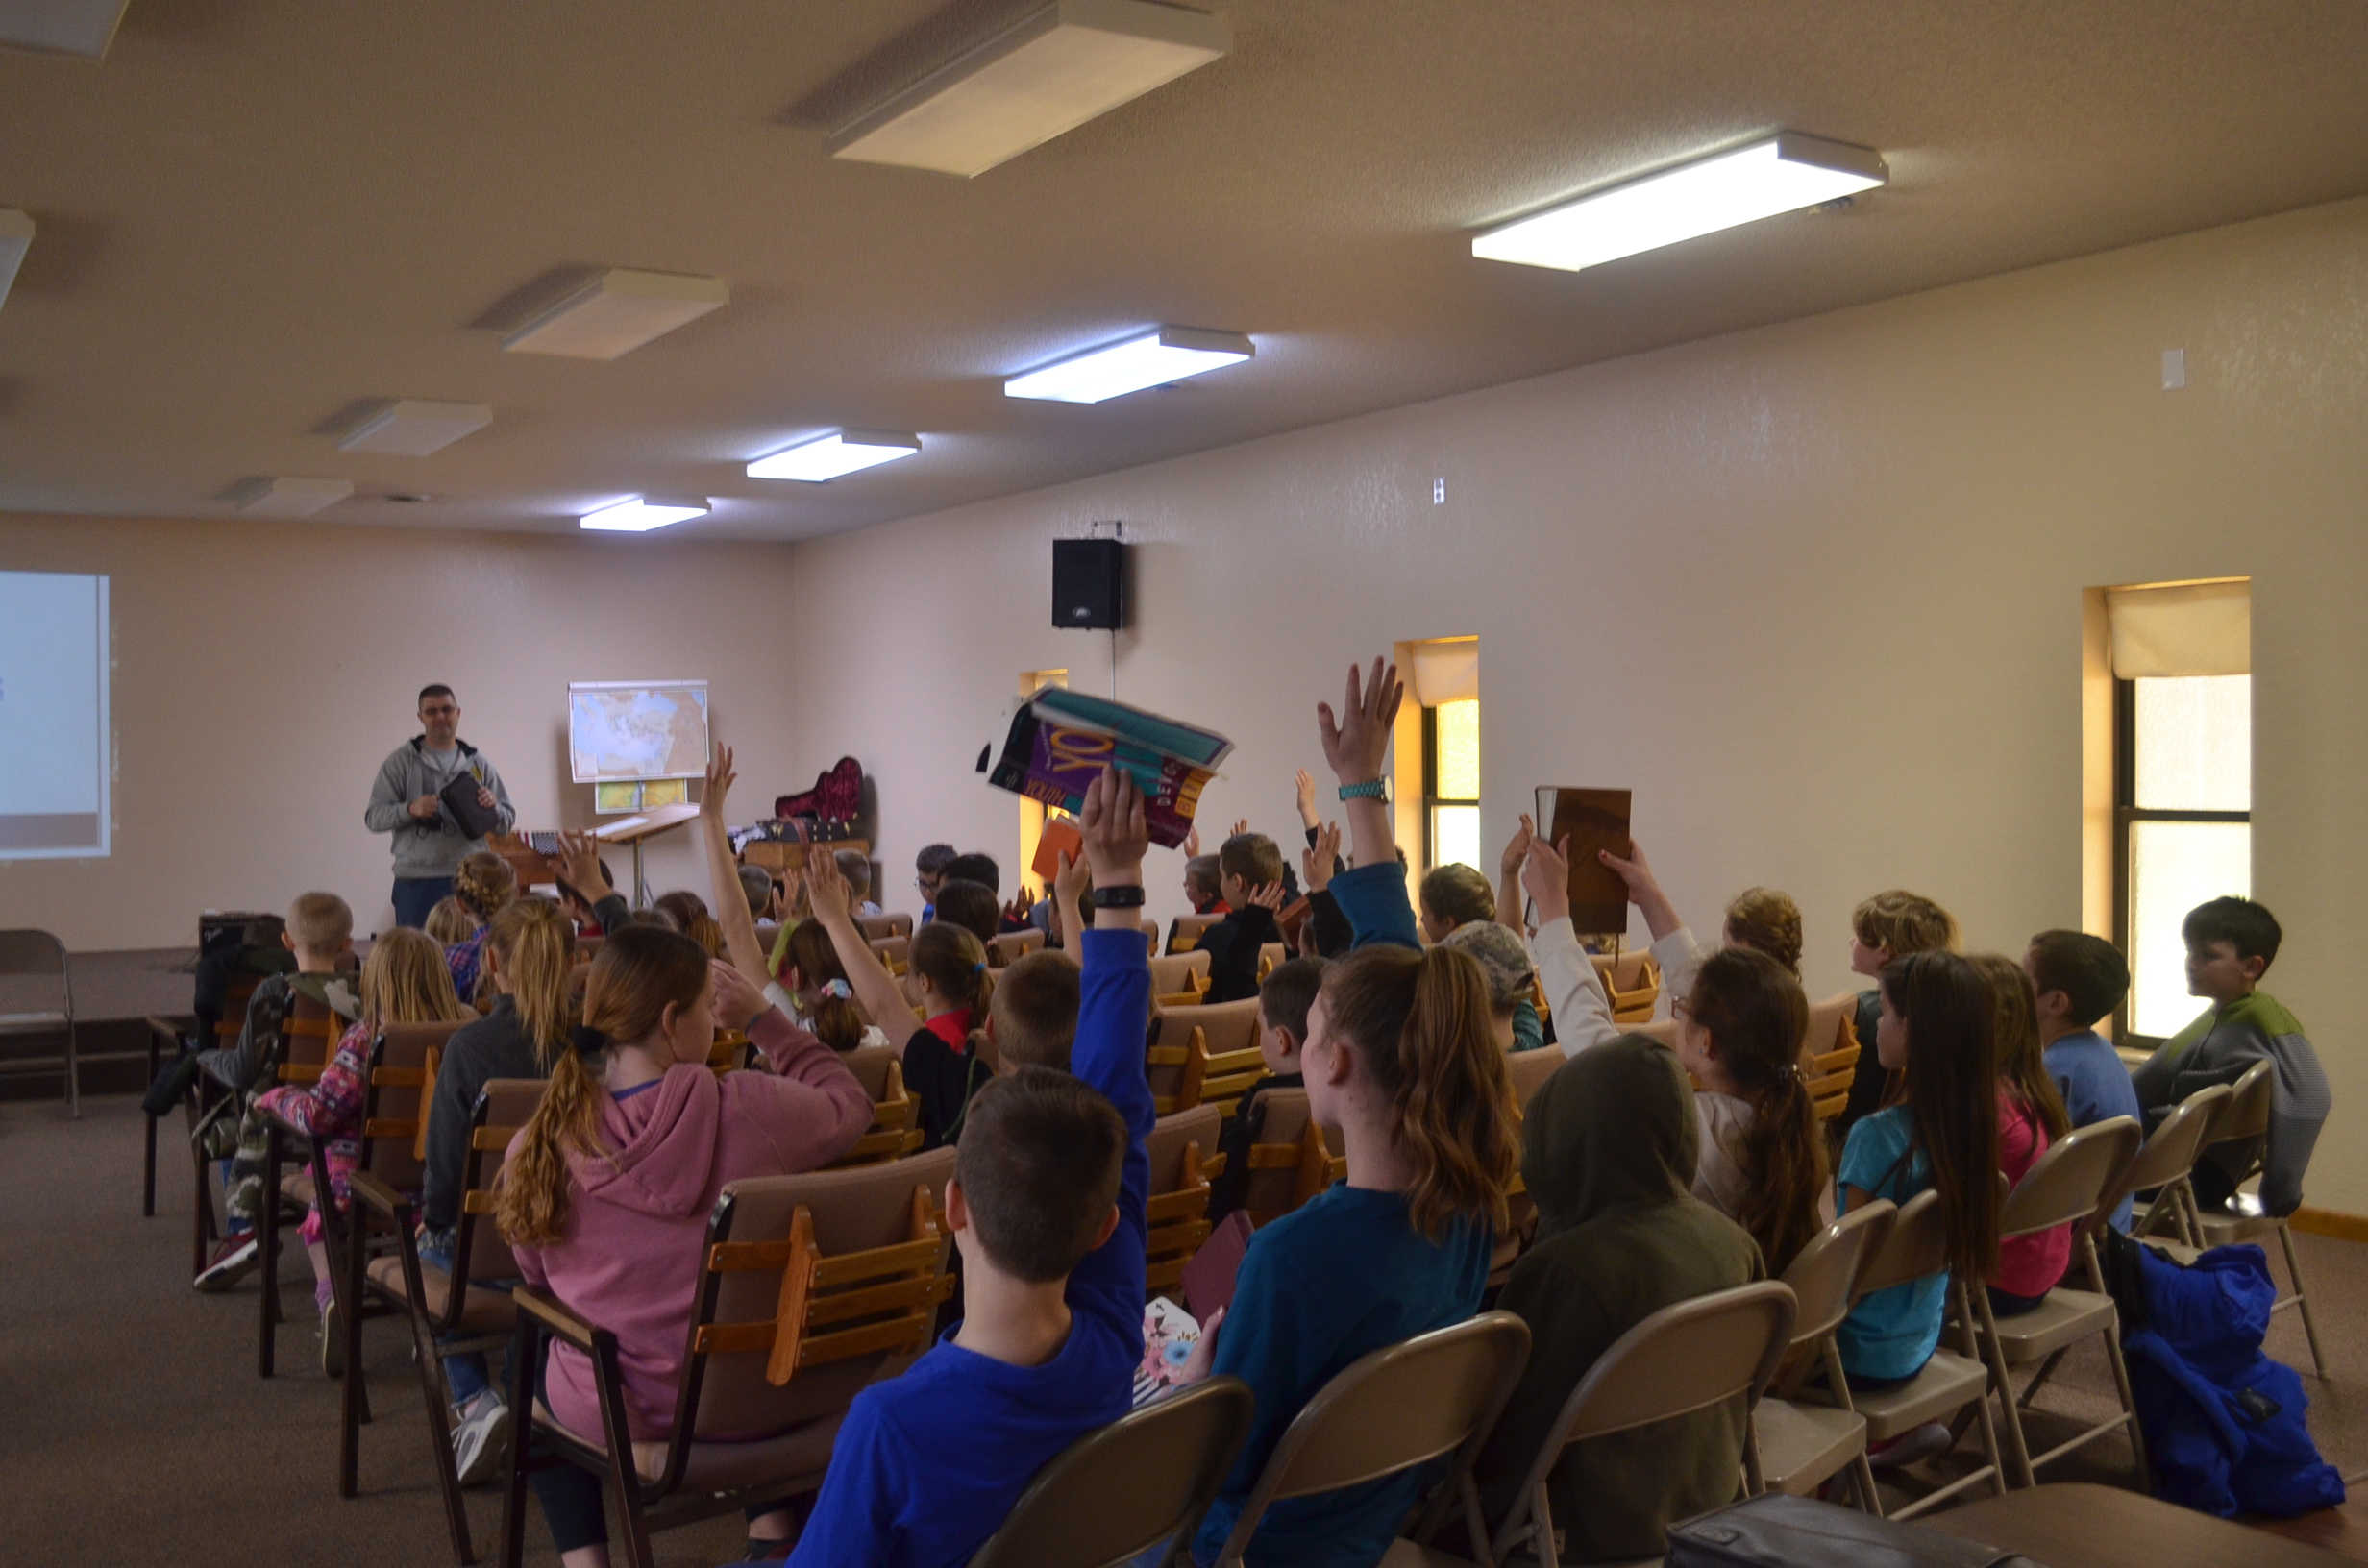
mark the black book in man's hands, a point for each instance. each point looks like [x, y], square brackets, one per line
[460, 797]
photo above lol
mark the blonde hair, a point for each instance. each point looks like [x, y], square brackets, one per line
[406, 980]
[534, 943]
[484, 883]
[318, 921]
[450, 922]
[1770, 921]
[1903, 922]
[1420, 1020]
[641, 972]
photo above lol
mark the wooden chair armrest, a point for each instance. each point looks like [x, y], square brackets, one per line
[545, 1307]
[175, 1031]
[382, 1200]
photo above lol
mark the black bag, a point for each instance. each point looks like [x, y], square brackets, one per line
[1779, 1531]
[460, 797]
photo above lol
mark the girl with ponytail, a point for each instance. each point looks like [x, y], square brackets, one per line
[1763, 1155]
[606, 1190]
[1401, 1056]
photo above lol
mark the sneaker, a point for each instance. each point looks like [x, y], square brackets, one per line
[333, 1341]
[1928, 1442]
[481, 1439]
[232, 1262]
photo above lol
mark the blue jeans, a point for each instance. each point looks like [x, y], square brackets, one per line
[465, 1373]
[416, 896]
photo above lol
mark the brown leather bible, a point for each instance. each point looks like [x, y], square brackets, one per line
[1591, 819]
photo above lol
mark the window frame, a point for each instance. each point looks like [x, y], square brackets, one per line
[1431, 798]
[2125, 812]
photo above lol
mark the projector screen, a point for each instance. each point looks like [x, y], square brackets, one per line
[53, 716]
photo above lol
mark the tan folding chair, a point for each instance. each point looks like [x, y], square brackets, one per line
[1188, 931]
[2065, 1186]
[1631, 983]
[2165, 1162]
[729, 1053]
[896, 953]
[1270, 954]
[1830, 1053]
[812, 1288]
[2243, 1125]
[1918, 1249]
[40, 958]
[1114, 1494]
[448, 1312]
[1010, 946]
[1293, 1160]
[1390, 1410]
[1181, 979]
[1803, 1444]
[1687, 1358]
[1529, 1070]
[878, 927]
[895, 1131]
[1205, 1052]
[1184, 1160]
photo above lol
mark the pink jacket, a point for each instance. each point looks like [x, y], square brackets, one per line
[637, 1219]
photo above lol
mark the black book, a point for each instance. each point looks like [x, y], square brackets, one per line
[460, 797]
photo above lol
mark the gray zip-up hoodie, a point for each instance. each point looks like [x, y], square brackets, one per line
[433, 848]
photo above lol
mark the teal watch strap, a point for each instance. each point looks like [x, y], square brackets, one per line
[1372, 789]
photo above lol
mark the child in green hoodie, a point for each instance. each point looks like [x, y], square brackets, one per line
[2230, 944]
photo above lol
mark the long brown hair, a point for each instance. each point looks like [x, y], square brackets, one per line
[1757, 1016]
[406, 980]
[954, 960]
[534, 942]
[1420, 1020]
[1951, 1090]
[690, 913]
[641, 972]
[2022, 1064]
[836, 1020]
[1770, 921]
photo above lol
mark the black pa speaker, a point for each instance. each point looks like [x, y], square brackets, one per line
[1088, 584]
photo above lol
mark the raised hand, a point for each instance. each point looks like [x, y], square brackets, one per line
[1268, 897]
[738, 1003]
[1240, 825]
[1317, 859]
[1306, 782]
[1546, 877]
[1191, 845]
[1116, 836]
[1643, 889]
[1516, 851]
[1069, 881]
[826, 890]
[580, 862]
[1357, 739]
[720, 777]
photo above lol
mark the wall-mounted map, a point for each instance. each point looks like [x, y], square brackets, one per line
[636, 729]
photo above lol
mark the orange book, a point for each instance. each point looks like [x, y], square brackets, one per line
[1060, 838]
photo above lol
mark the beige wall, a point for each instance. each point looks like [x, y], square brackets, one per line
[1813, 591]
[264, 671]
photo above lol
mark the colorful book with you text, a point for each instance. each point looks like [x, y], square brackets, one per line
[1056, 740]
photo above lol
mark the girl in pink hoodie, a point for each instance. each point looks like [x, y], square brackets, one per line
[607, 1188]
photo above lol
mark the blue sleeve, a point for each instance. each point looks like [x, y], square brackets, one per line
[863, 1494]
[1373, 898]
[1874, 1145]
[1274, 1342]
[1113, 1016]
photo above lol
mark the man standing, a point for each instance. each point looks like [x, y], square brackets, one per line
[403, 801]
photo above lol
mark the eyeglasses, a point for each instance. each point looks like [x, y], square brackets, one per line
[1678, 1009]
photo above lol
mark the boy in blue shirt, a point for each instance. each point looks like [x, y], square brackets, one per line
[2079, 979]
[1046, 1204]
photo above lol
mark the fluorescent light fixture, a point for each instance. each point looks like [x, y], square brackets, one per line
[1153, 359]
[414, 426]
[642, 513]
[842, 452]
[61, 27]
[1049, 73]
[617, 312]
[15, 238]
[1781, 174]
[289, 498]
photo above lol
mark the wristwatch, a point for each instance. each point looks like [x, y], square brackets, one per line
[1129, 898]
[1372, 789]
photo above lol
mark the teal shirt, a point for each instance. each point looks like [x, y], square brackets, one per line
[1892, 1333]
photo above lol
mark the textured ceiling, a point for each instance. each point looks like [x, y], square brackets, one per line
[257, 213]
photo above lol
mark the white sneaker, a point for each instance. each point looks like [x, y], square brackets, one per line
[482, 1438]
[232, 1262]
[333, 1341]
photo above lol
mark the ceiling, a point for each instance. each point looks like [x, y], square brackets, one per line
[256, 216]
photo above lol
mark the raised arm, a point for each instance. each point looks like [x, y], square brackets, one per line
[874, 988]
[1573, 989]
[1069, 880]
[580, 862]
[1373, 896]
[825, 1105]
[731, 906]
[1509, 876]
[1674, 948]
[1114, 1011]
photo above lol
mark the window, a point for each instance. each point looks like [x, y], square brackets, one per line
[2182, 782]
[1451, 782]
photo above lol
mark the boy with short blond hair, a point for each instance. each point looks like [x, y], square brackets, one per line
[320, 933]
[1251, 881]
[1046, 1204]
[1891, 924]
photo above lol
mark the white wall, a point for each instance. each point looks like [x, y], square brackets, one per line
[264, 671]
[1813, 591]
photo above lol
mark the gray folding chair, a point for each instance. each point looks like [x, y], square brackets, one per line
[1113, 1494]
[1682, 1358]
[2164, 1162]
[36, 998]
[1802, 1444]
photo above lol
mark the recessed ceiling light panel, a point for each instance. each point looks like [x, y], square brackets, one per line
[286, 497]
[842, 452]
[61, 27]
[1050, 73]
[617, 312]
[1782, 174]
[15, 238]
[1153, 359]
[639, 514]
[414, 426]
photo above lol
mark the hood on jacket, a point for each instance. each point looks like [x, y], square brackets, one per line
[665, 1166]
[1614, 1129]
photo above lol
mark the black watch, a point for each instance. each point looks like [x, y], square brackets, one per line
[1130, 897]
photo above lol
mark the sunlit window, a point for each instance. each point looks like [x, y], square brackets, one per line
[1451, 778]
[2185, 784]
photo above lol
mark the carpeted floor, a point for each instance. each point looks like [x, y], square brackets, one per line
[136, 1426]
